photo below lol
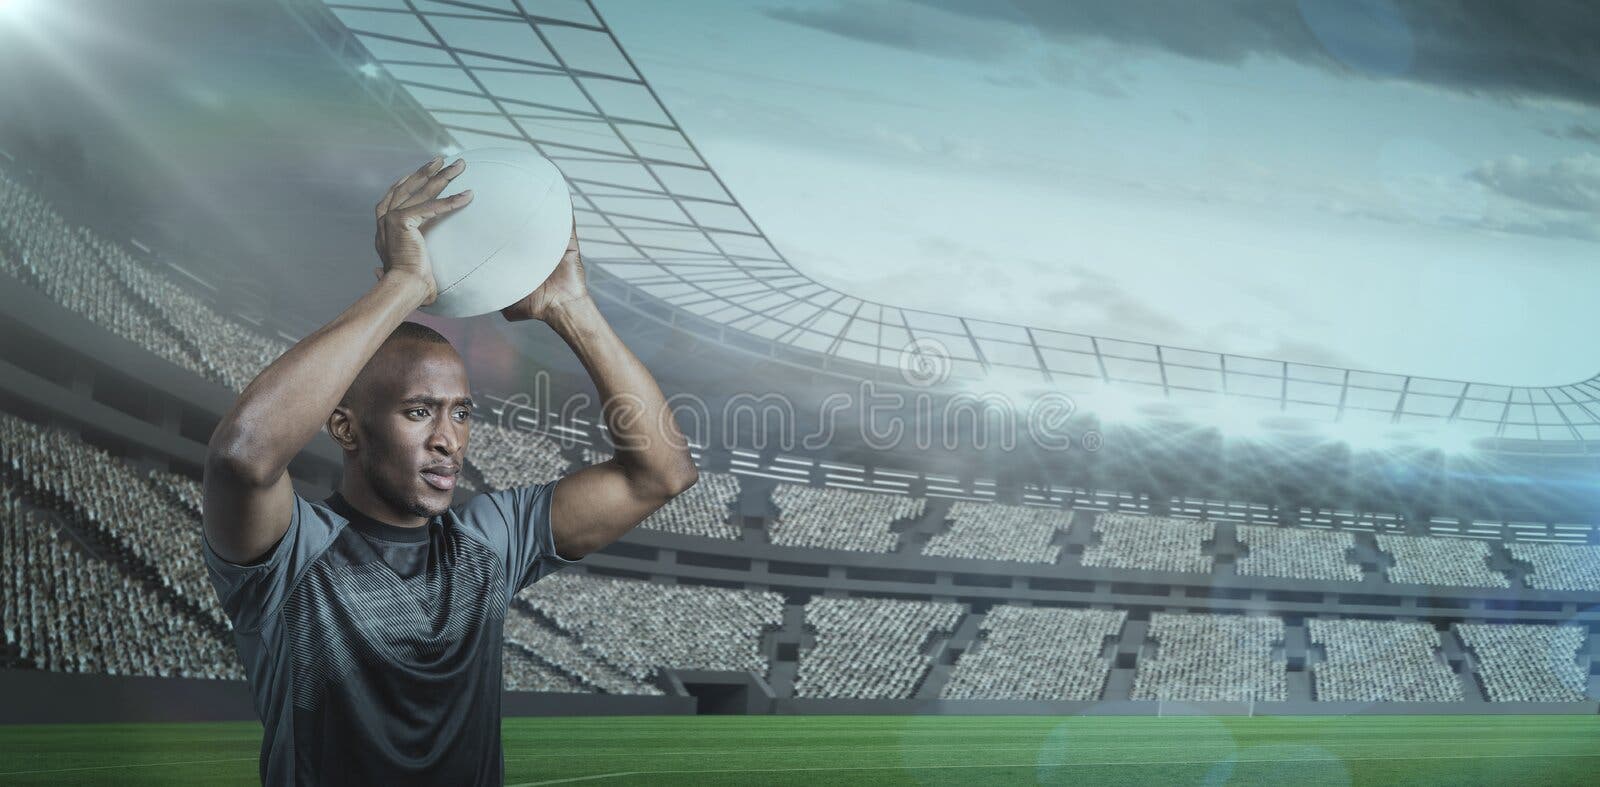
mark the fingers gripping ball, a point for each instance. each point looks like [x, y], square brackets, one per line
[492, 252]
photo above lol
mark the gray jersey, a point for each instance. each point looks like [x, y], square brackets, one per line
[373, 651]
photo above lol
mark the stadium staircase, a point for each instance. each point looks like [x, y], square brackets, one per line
[97, 543]
[788, 641]
[945, 652]
[914, 533]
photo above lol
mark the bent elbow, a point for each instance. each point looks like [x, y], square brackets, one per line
[238, 468]
[665, 486]
[680, 482]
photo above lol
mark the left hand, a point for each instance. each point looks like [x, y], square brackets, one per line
[566, 283]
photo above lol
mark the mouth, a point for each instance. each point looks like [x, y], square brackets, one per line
[441, 481]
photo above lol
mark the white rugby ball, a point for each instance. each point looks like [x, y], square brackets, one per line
[501, 246]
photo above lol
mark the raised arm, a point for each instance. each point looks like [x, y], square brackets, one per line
[599, 503]
[248, 498]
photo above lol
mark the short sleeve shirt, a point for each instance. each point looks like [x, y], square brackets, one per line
[373, 651]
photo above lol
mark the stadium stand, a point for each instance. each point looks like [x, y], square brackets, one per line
[508, 457]
[1527, 663]
[1037, 653]
[525, 631]
[870, 647]
[132, 517]
[831, 518]
[520, 671]
[703, 510]
[643, 627]
[1200, 658]
[996, 531]
[1380, 661]
[1424, 560]
[1559, 566]
[231, 353]
[67, 611]
[186, 491]
[1151, 543]
[60, 260]
[1296, 553]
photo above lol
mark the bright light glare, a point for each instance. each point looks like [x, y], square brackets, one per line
[1018, 388]
[1451, 440]
[12, 11]
[1236, 421]
[1362, 435]
[1109, 404]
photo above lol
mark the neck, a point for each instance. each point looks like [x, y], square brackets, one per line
[358, 493]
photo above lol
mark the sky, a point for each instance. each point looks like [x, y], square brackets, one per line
[1409, 188]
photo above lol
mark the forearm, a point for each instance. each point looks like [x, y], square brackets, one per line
[646, 436]
[290, 400]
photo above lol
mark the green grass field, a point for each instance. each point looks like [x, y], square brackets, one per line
[929, 750]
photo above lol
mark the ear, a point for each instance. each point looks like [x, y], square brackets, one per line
[341, 427]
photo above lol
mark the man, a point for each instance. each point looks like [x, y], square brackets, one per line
[370, 623]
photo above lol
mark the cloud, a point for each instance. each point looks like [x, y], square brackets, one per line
[1571, 184]
[904, 27]
[1585, 229]
[1503, 49]
[1576, 131]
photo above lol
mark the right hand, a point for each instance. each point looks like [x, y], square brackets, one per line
[410, 203]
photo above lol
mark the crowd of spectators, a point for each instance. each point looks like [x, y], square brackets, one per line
[998, 531]
[231, 353]
[66, 610]
[833, 518]
[1037, 653]
[705, 509]
[509, 457]
[643, 627]
[1559, 566]
[1527, 663]
[566, 655]
[1380, 661]
[1424, 560]
[1149, 543]
[1210, 658]
[39, 247]
[1297, 553]
[133, 517]
[521, 670]
[870, 647]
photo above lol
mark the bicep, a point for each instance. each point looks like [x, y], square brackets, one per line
[244, 519]
[594, 506]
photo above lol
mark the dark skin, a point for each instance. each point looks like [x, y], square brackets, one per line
[389, 428]
[389, 441]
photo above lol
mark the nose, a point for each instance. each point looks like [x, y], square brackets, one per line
[445, 439]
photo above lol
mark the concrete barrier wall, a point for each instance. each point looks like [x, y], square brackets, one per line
[40, 697]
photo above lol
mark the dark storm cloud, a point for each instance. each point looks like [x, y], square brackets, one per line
[1534, 48]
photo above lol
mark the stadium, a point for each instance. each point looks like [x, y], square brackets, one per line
[924, 546]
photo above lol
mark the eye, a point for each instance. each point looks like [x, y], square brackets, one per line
[417, 410]
[465, 414]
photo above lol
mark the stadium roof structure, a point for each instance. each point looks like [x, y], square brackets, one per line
[668, 237]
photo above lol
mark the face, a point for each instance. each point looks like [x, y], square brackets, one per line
[411, 431]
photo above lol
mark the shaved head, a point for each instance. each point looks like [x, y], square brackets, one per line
[389, 364]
